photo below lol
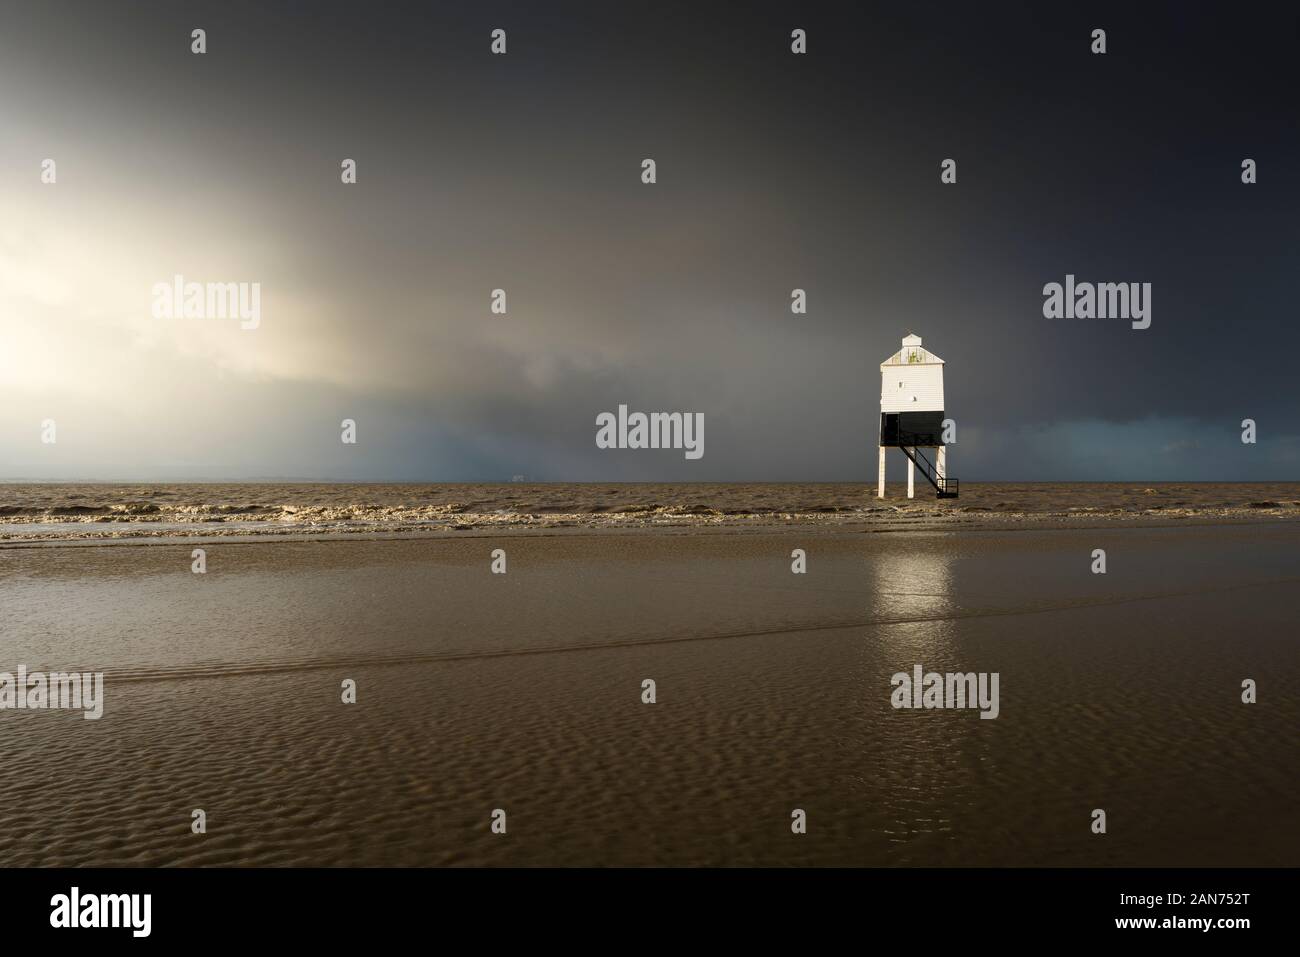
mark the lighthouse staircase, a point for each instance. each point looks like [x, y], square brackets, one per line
[944, 486]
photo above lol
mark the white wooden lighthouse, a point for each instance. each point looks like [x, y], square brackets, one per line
[911, 416]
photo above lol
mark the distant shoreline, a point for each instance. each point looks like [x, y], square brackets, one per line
[534, 483]
[54, 512]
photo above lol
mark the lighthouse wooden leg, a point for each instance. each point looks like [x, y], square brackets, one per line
[911, 479]
[880, 482]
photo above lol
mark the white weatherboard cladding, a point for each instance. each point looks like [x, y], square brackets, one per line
[911, 387]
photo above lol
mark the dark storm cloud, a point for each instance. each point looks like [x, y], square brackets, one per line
[775, 172]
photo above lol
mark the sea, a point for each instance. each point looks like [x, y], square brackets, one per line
[35, 511]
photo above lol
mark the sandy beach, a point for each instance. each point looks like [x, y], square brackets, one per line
[523, 691]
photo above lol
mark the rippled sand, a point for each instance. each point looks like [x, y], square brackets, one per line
[522, 692]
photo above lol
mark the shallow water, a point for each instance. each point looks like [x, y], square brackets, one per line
[523, 692]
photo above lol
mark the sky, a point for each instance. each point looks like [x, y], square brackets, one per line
[522, 172]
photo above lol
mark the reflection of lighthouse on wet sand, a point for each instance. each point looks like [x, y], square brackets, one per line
[911, 416]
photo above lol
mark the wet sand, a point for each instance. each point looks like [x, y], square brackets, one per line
[523, 692]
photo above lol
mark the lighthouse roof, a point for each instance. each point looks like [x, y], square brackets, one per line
[912, 353]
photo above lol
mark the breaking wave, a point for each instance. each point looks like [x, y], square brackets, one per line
[91, 511]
